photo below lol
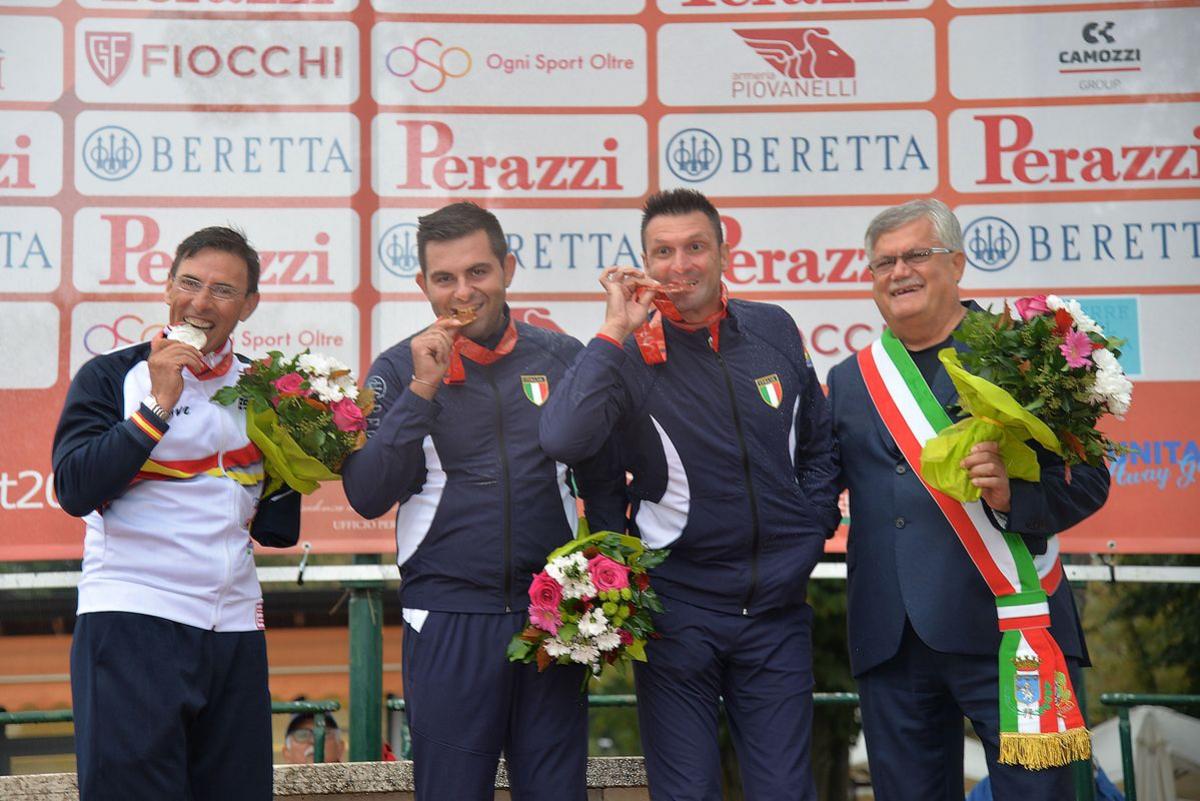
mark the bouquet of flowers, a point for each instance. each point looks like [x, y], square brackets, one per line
[1041, 370]
[305, 414]
[591, 605]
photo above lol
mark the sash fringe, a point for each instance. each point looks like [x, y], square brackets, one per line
[1041, 751]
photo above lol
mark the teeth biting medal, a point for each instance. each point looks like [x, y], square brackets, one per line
[188, 334]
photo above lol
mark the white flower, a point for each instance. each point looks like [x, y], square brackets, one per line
[571, 572]
[346, 384]
[593, 623]
[608, 641]
[325, 391]
[314, 364]
[1111, 387]
[555, 648]
[584, 653]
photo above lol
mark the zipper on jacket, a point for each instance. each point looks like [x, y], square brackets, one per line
[750, 494]
[506, 480]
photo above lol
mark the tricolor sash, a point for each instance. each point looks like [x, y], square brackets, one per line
[1040, 722]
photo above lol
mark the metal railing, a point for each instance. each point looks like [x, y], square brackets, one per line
[1126, 701]
[315, 708]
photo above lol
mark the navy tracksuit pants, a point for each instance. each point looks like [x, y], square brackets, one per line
[466, 703]
[762, 667]
[168, 711]
[912, 710]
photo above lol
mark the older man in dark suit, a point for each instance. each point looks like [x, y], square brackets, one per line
[925, 623]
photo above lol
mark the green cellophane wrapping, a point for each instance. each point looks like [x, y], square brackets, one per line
[284, 461]
[993, 416]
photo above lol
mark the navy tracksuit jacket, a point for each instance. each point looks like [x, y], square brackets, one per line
[732, 460]
[481, 506]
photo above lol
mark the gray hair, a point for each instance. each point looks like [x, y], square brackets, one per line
[945, 224]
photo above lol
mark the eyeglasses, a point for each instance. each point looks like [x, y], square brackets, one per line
[306, 736]
[223, 292]
[884, 264]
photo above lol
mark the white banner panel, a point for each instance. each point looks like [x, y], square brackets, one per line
[181, 153]
[1049, 148]
[34, 363]
[440, 64]
[538, 7]
[776, 6]
[328, 327]
[215, 62]
[820, 62]
[31, 63]
[557, 250]
[1050, 245]
[30, 249]
[226, 6]
[516, 155]
[1076, 54]
[300, 250]
[803, 153]
[31, 153]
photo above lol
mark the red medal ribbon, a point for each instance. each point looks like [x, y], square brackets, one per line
[211, 371]
[457, 373]
[651, 340]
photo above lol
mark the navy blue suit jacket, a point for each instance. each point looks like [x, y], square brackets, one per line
[903, 559]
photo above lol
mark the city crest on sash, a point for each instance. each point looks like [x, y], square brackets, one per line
[770, 390]
[536, 388]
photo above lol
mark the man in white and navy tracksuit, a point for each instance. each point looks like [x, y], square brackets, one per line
[722, 422]
[454, 441]
[168, 656]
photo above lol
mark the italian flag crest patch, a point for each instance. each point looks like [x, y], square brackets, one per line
[770, 390]
[536, 388]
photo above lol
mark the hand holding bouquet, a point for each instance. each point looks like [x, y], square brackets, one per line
[591, 605]
[1041, 370]
[305, 414]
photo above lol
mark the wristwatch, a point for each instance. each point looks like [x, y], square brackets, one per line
[151, 403]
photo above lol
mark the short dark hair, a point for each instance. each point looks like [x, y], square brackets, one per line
[456, 221]
[676, 202]
[226, 240]
[307, 717]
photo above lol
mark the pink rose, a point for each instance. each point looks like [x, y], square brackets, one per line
[545, 593]
[545, 619]
[607, 574]
[289, 384]
[347, 416]
[1031, 307]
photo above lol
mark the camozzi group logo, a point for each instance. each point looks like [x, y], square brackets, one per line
[214, 62]
[1099, 52]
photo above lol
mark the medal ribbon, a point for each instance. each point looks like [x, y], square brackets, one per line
[652, 341]
[465, 347]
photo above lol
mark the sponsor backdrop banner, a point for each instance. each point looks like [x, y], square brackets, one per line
[1066, 134]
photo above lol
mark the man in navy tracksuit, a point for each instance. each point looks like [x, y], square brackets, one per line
[168, 655]
[454, 441]
[721, 420]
